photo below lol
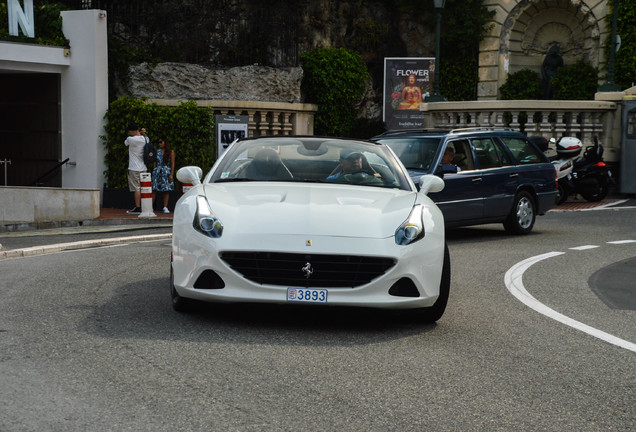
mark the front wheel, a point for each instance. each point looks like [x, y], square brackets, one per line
[435, 312]
[563, 194]
[180, 304]
[595, 189]
[522, 215]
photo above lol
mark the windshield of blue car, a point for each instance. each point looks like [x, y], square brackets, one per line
[415, 153]
[310, 159]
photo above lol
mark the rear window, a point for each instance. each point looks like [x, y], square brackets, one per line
[523, 151]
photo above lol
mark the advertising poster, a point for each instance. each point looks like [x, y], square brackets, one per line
[228, 129]
[407, 81]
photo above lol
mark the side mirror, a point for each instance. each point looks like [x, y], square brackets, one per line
[431, 183]
[449, 169]
[190, 174]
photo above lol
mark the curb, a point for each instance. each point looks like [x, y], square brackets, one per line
[41, 250]
[34, 226]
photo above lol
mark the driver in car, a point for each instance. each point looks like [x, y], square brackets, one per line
[352, 170]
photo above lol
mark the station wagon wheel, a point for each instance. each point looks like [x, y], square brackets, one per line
[522, 215]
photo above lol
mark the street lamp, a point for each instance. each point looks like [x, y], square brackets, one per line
[437, 96]
[610, 85]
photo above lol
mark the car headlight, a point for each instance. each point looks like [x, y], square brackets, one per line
[412, 229]
[205, 221]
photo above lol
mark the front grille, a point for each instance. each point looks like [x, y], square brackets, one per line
[286, 269]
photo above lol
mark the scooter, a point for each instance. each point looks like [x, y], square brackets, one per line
[587, 175]
[567, 149]
[591, 177]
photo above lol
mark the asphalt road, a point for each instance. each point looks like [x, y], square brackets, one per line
[89, 342]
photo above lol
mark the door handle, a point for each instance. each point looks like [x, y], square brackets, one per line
[514, 175]
[477, 180]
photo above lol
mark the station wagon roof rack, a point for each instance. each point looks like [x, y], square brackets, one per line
[402, 131]
[482, 128]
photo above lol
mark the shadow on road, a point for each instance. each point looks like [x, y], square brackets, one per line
[143, 310]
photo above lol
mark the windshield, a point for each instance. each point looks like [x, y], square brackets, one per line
[318, 160]
[415, 153]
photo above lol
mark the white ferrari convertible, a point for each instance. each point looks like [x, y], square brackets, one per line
[310, 220]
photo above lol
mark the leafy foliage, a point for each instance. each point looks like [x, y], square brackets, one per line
[459, 78]
[334, 78]
[47, 23]
[188, 128]
[575, 82]
[625, 59]
[524, 84]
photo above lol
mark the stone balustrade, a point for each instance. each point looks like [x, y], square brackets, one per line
[583, 119]
[265, 118]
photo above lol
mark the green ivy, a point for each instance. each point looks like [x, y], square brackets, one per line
[625, 58]
[335, 80]
[459, 78]
[521, 85]
[188, 128]
[47, 23]
[575, 82]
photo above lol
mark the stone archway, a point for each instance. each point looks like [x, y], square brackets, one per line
[522, 32]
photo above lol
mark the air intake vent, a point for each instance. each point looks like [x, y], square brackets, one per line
[304, 270]
[209, 280]
[404, 288]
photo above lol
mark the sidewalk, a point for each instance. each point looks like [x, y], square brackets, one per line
[107, 216]
[112, 227]
[110, 213]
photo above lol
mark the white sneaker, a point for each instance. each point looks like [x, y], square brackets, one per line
[165, 210]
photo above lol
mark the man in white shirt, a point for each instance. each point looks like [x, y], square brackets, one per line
[135, 143]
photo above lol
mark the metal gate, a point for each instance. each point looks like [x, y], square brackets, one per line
[628, 148]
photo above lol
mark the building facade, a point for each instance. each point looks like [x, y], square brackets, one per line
[522, 32]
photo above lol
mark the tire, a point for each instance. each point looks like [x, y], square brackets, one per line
[563, 194]
[522, 215]
[180, 304]
[596, 189]
[431, 314]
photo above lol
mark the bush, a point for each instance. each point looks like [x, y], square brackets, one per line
[188, 128]
[624, 70]
[48, 25]
[334, 79]
[575, 82]
[459, 78]
[521, 85]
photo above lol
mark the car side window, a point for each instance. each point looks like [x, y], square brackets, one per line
[503, 154]
[522, 150]
[488, 155]
[463, 156]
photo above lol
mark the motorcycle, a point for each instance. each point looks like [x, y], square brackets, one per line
[567, 149]
[587, 175]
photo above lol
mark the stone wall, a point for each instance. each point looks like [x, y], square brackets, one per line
[190, 81]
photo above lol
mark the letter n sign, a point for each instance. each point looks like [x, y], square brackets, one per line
[23, 18]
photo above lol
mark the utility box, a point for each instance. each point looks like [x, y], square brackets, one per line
[628, 148]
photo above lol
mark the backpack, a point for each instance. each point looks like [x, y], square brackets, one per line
[150, 154]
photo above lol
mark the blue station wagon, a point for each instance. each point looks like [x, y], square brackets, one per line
[491, 175]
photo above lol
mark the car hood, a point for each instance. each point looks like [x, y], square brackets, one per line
[316, 209]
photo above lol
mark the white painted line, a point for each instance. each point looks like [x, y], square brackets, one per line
[585, 247]
[604, 206]
[514, 283]
[622, 242]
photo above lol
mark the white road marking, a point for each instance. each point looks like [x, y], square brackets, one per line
[514, 283]
[585, 247]
[622, 242]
